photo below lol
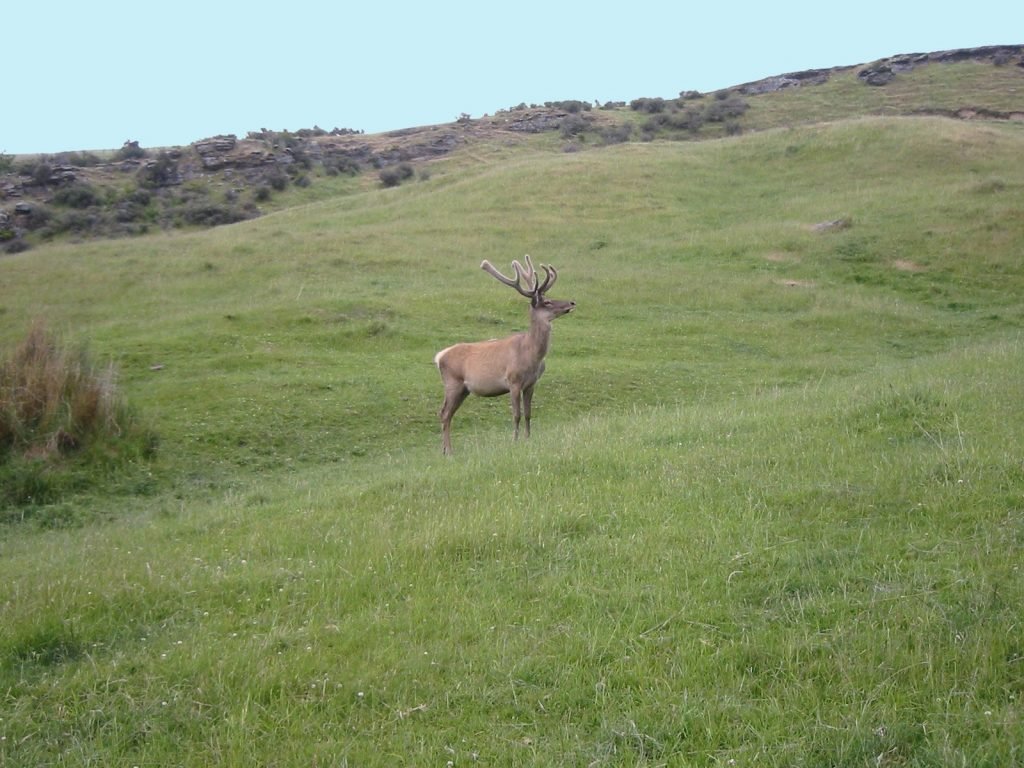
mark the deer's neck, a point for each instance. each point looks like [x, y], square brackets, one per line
[539, 335]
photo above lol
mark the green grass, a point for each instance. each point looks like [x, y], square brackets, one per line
[771, 513]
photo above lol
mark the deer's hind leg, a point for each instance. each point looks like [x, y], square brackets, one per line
[454, 395]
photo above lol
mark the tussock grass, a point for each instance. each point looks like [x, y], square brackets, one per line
[770, 513]
[58, 409]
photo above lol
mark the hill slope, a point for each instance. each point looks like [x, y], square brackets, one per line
[223, 179]
[771, 513]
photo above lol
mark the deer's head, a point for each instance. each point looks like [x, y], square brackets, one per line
[527, 282]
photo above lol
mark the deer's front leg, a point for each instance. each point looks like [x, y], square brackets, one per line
[515, 393]
[527, 401]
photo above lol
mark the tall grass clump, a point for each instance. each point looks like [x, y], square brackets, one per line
[63, 423]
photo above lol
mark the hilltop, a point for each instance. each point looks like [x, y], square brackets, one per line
[223, 179]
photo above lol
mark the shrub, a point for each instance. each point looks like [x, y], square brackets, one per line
[36, 216]
[74, 221]
[648, 105]
[202, 213]
[160, 172]
[654, 123]
[688, 120]
[617, 134]
[573, 125]
[572, 106]
[394, 175]
[56, 406]
[42, 173]
[278, 180]
[78, 195]
[342, 164]
[130, 151]
[727, 108]
[79, 159]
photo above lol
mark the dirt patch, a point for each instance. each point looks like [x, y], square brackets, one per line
[796, 283]
[905, 265]
[836, 225]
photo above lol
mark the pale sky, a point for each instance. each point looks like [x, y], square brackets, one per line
[91, 75]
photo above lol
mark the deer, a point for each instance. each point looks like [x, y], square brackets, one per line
[503, 366]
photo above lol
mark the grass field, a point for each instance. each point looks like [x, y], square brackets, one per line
[771, 514]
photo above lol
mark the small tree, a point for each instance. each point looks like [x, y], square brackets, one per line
[130, 150]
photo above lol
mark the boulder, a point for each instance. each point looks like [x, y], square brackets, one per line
[881, 74]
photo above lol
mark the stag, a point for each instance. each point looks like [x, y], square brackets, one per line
[503, 366]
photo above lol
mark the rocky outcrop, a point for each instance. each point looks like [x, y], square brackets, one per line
[884, 71]
[536, 121]
[781, 82]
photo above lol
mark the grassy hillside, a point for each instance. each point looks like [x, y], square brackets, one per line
[771, 512]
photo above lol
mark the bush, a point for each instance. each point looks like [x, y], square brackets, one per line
[207, 214]
[160, 172]
[56, 406]
[617, 134]
[278, 180]
[79, 159]
[342, 164]
[77, 196]
[655, 123]
[648, 105]
[394, 175]
[572, 106]
[573, 125]
[130, 151]
[726, 108]
[75, 221]
[42, 173]
[36, 217]
[688, 120]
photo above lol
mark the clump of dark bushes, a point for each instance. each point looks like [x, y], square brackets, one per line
[684, 114]
[64, 425]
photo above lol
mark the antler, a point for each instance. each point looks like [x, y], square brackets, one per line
[525, 274]
[551, 274]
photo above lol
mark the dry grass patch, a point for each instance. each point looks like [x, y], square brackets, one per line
[905, 265]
